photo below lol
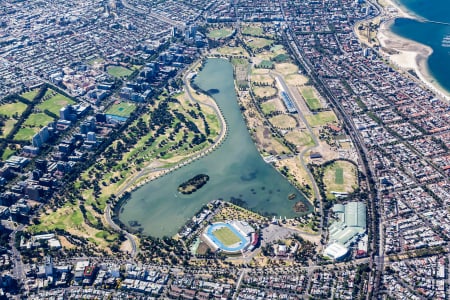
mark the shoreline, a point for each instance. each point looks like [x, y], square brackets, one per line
[411, 54]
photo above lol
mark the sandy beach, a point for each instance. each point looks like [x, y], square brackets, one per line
[393, 9]
[409, 55]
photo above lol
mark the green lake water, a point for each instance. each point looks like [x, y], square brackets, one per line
[235, 169]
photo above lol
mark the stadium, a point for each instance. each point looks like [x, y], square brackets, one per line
[230, 237]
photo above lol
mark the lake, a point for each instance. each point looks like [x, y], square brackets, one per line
[235, 170]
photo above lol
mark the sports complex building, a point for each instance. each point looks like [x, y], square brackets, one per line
[349, 227]
[230, 237]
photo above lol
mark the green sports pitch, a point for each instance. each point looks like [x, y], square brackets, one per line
[226, 236]
[122, 109]
[339, 176]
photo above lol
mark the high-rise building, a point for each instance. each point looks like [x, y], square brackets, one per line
[36, 140]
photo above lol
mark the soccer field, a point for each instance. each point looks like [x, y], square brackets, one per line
[310, 98]
[226, 236]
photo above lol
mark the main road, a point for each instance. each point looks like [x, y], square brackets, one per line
[18, 270]
[362, 151]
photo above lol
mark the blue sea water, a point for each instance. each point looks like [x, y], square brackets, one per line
[431, 28]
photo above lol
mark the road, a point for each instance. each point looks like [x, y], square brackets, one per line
[302, 154]
[366, 167]
[130, 238]
[18, 270]
[238, 284]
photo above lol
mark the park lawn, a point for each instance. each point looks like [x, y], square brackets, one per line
[259, 43]
[7, 153]
[283, 121]
[239, 61]
[91, 217]
[214, 124]
[310, 98]
[38, 120]
[234, 212]
[118, 71]
[10, 109]
[300, 138]
[268, 143]
[70, 218]
[30, 95]
[220, 33]
[66, 217]
[280, 58]
[94, 61]
[262, 79]
[321, 118]
[268, 107]
[266, 64]
[264, 91]
[106, 236]
[226, 236]
[226, 50]
[122, 109]
[55, 103]
[9, 125]
[25, 133]
[252, 30]
[340, 176]
[276, 48]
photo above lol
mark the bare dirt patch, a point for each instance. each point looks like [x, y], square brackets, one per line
[283, 121]
[264, 91]
[296, 79]
[286, 68]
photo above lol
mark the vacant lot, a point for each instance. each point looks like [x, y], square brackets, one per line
[226, 236]
[340, 176]
[122, 109]
[321, 118]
